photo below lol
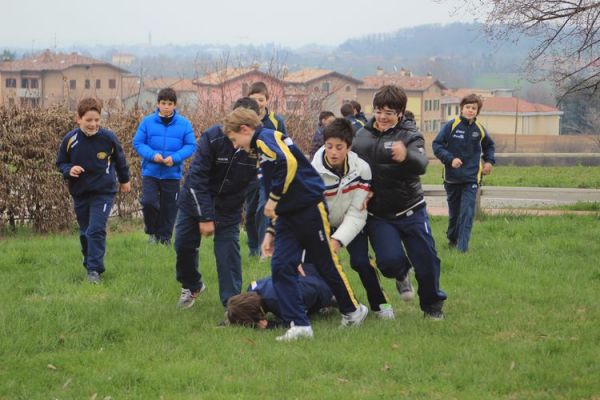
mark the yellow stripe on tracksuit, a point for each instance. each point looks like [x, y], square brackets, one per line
[70, 142]
[265, 149]
[291, 162]
[334, 257]
[274, 120]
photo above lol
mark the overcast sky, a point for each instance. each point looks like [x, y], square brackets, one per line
[36, 23]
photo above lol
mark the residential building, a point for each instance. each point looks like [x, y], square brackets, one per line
[145, 97]
[218, 91]
[53, 78]
[424, 95]
[314, 90]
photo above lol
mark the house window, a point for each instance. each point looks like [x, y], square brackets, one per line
[87, 84]
[72, 84]
[325, 87]
[436, 105]
[426, 105]
[33, 83]
[11, 83]
[112, 83]
[24, 83]
[456, 112]
[98, 85]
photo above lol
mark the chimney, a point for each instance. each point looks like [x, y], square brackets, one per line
[429, 76]
[380, 71]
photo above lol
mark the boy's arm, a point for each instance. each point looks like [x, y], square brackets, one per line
[416, 160]
[355, 217]
[189, 145]
[285, 165]
[120, 161]
[140, 141]
[198, 180]
[439, 145]
[488, 148]
[63, 161]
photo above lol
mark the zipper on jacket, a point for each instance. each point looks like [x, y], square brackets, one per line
[227, 172]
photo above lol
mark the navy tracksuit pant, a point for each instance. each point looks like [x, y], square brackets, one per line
[159, 206]
[462, 198]
[387, 235]
[358, 249]
[307, 229]
[92, 214]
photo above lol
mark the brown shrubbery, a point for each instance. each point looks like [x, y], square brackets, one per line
[33, 192]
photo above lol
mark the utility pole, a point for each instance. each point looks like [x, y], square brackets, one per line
[516, 125]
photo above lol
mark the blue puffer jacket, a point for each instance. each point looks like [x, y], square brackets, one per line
[176, 140]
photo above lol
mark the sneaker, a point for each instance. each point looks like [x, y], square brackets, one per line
[405, 288]
[152, 239]
[385, 311]
[94, 277]
[187, 298]
[356, 317]
[295, 333]
[434, 315]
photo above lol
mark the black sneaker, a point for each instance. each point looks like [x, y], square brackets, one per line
[94, 277]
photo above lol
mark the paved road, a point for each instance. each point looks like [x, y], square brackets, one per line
[501, 197]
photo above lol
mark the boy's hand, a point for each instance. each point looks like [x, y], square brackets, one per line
[487, 168]
[158, 158]
[125, 187]
[207, 228]
[301, 270]
[456, 163]
[168, 161]
[336, 245]
[270, 208]
[268, 245]
[75, 171]
[398, 151]
[366, 201]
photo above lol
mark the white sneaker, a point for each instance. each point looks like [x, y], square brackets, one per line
[356, 317]
[295, 333]
[385, 311]
[187, 297]
[405, 288]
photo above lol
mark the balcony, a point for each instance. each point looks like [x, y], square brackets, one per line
[28, 93]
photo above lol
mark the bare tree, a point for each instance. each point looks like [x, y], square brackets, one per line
[567, 32]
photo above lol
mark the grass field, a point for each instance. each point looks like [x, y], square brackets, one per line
[522, 322]
[582, 177]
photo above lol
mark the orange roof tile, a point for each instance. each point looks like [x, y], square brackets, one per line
[224, 75]
[49, 61]
[310, 74]
[409, 83]
[178, 84]
[509, 105]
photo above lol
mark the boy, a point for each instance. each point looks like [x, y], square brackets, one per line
[358, 114]
[460, 145]
[90, 159]
[256, 223]
[347, 181]
[395, 151]
[164, 140]
[348, 112]
[251, 308]
[211, 202]
[296, 197]
[325, 118]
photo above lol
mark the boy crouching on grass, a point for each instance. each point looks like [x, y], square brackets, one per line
[90, 159]
[296, 197]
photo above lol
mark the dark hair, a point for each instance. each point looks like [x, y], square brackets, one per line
[409, 115]
[472, 99]
[246, 102]
[259, 87]
[324, 115]
[347, 109]
[88, 104]
[390, 96]
[245, 309]
[167, 94]
[340, 128]
[356, 105]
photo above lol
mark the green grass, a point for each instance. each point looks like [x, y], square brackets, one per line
[522, 323]
[508, 175]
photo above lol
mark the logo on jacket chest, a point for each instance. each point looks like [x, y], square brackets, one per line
[101, 155]
[458, 134]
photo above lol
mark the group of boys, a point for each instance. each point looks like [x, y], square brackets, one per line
[363, 186]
